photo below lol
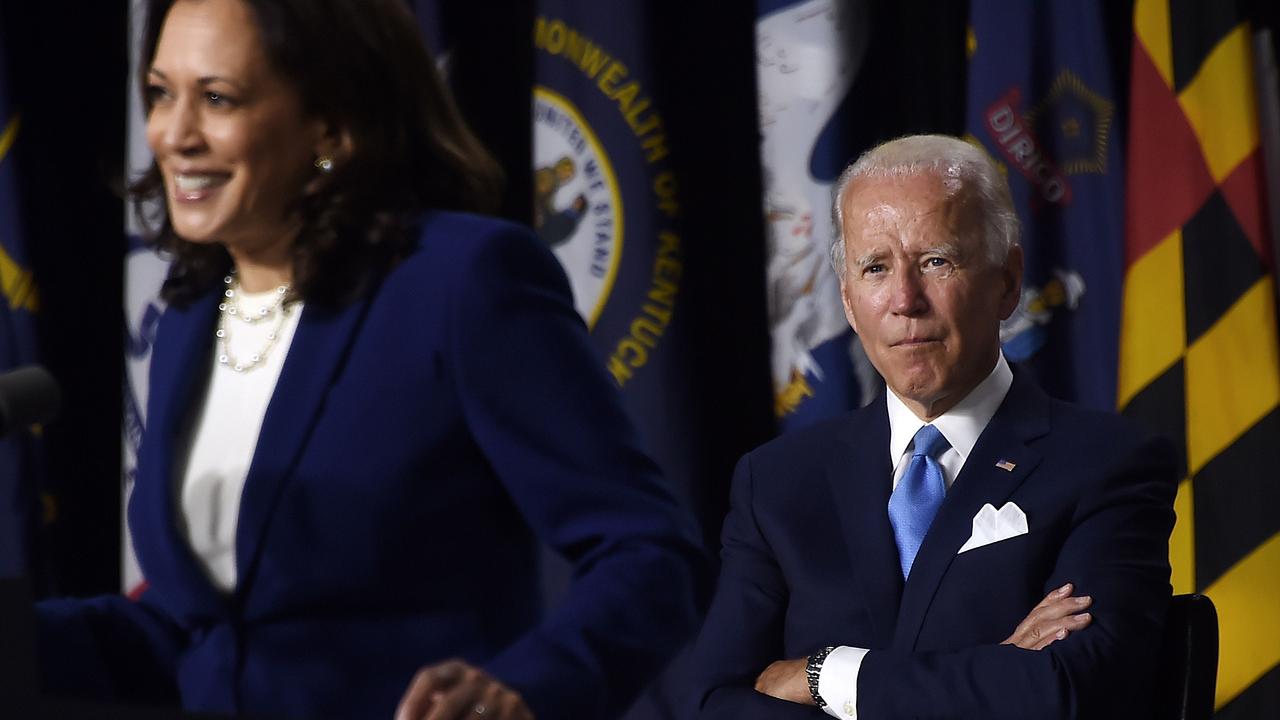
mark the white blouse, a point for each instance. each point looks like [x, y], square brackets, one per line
[225, 432]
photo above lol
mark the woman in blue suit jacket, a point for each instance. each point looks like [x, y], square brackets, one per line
[364, 412]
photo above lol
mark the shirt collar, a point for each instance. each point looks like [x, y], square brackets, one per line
[962, 424]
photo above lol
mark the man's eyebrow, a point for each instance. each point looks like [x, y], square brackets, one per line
[948, 248]
[868, 258]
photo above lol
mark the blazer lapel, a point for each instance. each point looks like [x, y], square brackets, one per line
[181, 361]
[860, 475]
[315, 358]
[1022, 417]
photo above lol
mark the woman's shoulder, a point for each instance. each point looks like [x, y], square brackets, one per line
[459, 235]
[454, 248]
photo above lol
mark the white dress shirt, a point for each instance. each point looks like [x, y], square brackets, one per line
[224, 435]
[961, 426]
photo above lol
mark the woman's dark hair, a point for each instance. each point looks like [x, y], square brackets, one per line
[363, 66]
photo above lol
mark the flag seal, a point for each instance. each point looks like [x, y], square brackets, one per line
[577, 203]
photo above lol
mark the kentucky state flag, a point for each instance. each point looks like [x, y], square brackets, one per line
[18, 304]
[607, 202]
[1041, 101]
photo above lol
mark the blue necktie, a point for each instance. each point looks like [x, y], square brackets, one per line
[918, 496]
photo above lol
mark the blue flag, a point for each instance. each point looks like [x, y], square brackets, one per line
[606, 200]
[807, 53]
[18, 305]
[1042, 103]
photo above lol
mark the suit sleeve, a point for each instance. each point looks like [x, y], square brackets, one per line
[107, 648]
[744, 626]
[1116, 551]
[536, 397]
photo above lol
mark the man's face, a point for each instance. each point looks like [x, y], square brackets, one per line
[920, 290]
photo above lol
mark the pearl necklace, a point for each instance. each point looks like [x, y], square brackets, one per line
[230, 310]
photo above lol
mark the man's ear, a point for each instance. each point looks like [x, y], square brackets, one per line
[1012, 274]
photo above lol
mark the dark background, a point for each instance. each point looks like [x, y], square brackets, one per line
[67, 69]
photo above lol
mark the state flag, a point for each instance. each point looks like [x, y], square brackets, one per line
[1199, 358]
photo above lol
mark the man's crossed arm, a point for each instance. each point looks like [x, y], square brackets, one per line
[1056, 617]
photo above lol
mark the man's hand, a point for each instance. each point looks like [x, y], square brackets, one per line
[454, 690]
[1057, 616]
[785, 680]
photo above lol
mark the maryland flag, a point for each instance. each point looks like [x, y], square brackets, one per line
[1198, 349]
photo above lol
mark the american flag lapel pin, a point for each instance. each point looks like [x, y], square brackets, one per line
[1006, 466]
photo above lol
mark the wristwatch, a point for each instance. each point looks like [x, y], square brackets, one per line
[812, 669]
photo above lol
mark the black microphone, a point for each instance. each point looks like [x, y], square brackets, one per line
[28, 395]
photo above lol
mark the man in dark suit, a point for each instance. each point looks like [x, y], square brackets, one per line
[875, 566]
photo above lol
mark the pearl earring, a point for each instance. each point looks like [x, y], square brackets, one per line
[324, 164]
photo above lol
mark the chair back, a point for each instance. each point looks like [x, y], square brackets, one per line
[1188, 660]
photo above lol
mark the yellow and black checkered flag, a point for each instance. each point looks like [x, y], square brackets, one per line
[1198, 348]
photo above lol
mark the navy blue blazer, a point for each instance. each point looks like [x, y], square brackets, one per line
[418, 445]
[809, 560]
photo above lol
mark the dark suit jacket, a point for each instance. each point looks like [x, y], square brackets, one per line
[810, 560]
[416, 444]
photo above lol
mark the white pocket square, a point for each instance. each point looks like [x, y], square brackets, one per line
[991, 525]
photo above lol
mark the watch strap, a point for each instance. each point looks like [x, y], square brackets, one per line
[813, 670]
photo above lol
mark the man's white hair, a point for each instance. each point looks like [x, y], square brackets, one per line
[962, 167]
